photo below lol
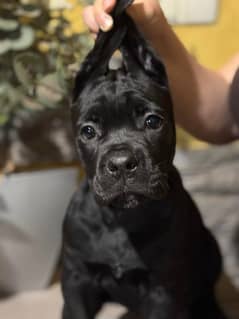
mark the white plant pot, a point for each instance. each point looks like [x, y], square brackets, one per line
[32, 208]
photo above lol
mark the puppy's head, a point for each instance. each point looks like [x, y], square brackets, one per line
[123, 123]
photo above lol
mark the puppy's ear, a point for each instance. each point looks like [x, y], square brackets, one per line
[97, 61]
[139, 58]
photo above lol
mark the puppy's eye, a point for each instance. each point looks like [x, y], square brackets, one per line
[88, 132]
[153, 122]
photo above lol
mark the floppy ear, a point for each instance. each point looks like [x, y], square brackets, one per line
[140, 58]
[96, 62]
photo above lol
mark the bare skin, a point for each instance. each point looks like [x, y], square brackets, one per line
[200, 95]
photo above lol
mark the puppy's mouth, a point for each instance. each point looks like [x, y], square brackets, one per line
[128, 200]
[125, 196]
[121, 200]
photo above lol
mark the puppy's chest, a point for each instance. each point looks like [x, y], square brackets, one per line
[109, 246]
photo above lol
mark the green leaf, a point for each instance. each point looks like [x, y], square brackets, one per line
[8, 24]
[28, 68]
[24, 41]
[9, 97]
[29, 10]
[3, 119]
[49, 91]
[59, 4]
[64, 77]
[5, 46]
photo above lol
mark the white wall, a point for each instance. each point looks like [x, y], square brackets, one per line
[190, 11]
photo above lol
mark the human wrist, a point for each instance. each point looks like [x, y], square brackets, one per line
[153, 25]
[145, 15]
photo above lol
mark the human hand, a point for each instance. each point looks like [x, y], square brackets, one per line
[143, 12]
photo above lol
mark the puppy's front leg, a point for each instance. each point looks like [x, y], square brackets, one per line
[83, 299]
[159, 304]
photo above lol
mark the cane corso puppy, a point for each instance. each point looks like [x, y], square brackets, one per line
[132, 234]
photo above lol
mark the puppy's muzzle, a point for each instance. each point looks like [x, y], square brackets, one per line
[121, 163]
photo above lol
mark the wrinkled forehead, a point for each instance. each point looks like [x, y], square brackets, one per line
[107, 97]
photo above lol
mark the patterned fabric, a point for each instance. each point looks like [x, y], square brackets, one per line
[212, 178]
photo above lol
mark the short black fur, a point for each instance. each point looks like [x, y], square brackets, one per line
[132, 234]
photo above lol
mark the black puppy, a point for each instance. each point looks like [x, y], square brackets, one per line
[132, 234]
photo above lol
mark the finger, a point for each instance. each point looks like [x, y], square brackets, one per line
[89, 19]
[94, 35]
[104, 20]
[108, 5]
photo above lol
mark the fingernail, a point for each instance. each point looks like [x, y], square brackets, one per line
[107, 23]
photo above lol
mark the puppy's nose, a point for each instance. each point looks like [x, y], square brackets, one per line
[123, 163]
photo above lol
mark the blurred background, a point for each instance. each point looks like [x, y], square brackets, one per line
[42, 44]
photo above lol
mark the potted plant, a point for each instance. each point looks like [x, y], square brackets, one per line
[41, 44]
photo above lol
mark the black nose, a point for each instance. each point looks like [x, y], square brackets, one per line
[121, 163]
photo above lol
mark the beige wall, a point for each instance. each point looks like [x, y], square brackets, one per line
[214, 44]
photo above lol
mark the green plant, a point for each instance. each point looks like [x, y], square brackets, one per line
[38, 58]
